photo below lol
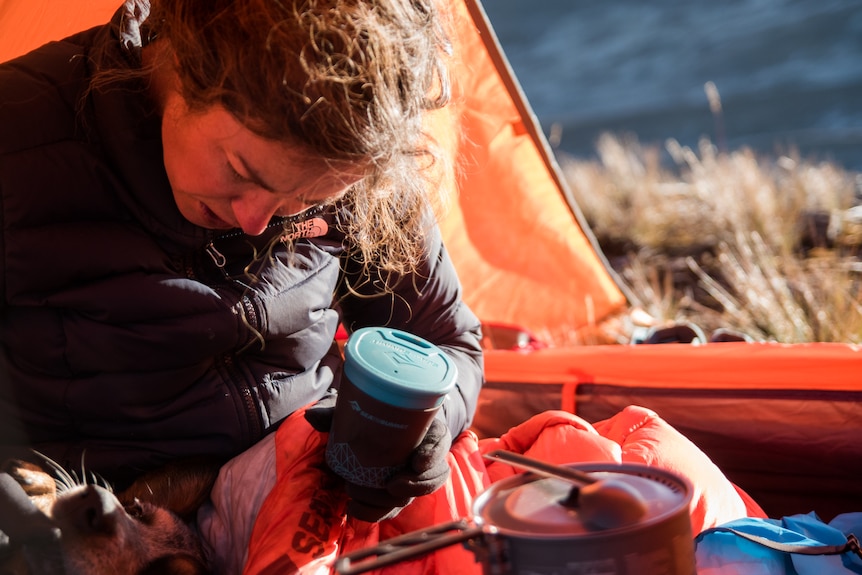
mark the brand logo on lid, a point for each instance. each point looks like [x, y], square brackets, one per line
[404, 358]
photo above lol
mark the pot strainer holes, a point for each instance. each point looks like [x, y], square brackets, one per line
[674, 486]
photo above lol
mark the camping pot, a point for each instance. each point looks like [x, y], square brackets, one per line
[522, 525]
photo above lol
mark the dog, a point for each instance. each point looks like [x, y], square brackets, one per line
[71, 525]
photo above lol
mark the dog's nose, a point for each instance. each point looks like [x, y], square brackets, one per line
[93, 510]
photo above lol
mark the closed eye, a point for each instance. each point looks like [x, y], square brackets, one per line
[234, 173]
[135, 509]
[139, 511]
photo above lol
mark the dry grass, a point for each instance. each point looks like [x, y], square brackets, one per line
[768, 247]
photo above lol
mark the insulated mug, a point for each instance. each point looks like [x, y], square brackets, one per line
[394, 382]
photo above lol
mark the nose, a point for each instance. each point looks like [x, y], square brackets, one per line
[92, 510]
[254, 209]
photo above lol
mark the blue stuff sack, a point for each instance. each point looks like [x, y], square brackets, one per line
[793, 545]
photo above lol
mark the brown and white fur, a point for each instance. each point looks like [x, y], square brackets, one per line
[140, 531]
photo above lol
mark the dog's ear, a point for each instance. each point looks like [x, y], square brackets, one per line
[181, 486]
[16, 456]
[175, 565]
[37, 484]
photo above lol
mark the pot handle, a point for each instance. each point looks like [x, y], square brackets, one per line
[408, 546]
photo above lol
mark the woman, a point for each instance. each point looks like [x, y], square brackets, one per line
[192, 197]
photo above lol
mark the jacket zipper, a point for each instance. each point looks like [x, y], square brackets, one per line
[217, 257]
[233, 375]
[245, 397]
[220, 260]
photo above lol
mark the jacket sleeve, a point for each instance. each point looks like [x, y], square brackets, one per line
[427, 304]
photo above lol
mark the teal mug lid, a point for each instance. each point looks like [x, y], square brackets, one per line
[398, 368]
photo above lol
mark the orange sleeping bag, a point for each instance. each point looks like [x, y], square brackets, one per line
[300, 526]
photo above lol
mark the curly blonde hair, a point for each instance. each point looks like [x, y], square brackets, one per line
[350, 80]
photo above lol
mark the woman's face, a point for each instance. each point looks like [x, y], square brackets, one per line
[225, 176]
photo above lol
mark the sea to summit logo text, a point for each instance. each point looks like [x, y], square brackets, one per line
[358, 409]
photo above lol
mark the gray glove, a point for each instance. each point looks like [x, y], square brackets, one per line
[319, 415]
[426, 471]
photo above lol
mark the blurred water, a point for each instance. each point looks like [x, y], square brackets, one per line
[789, 72]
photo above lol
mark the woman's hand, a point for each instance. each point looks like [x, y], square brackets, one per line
[426, 471]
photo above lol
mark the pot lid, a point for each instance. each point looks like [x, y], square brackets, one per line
[527, 505]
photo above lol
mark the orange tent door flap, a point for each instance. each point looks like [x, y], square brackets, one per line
[523, 256]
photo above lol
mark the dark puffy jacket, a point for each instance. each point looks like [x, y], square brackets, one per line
[130, 336]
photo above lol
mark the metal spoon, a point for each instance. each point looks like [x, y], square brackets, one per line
[602, 503]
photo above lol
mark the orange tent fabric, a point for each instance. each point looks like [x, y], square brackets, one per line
[516, 241]
[523, 256]
[27, 24]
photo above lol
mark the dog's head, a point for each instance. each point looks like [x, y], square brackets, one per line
[84, 529]
[99, 535]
